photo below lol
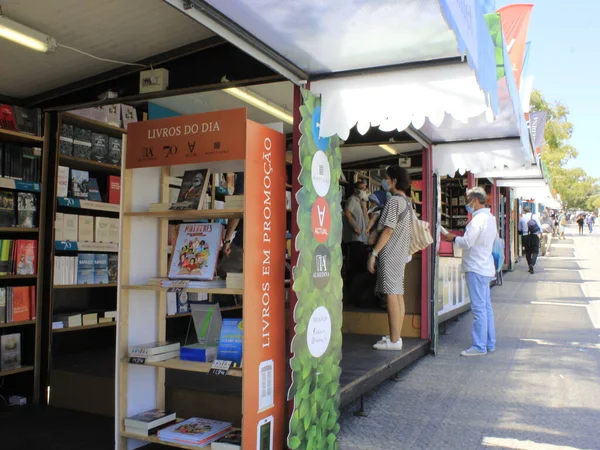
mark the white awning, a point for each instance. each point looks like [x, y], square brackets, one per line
[541, 194]
[532, 172]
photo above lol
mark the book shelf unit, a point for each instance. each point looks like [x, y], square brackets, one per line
[254, 394]
[25, 380]
[92, 343]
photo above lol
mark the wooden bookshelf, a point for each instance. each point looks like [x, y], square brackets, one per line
[203, 214]
[94, 125]
[16, 371]
[18, 277]
[90, 205]
[84, 327]
[189, 314]
[86, 164]
[19, 230]
[156, 440]
[17, 324]
[187, 366]
[78, 246]
[16, 137]
[158, 288]
[84, 286]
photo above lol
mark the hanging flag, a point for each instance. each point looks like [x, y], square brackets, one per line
[515, 24]
[538, 126]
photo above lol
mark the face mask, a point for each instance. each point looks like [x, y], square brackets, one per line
[385, 185]
[363, 195]
[470, 209]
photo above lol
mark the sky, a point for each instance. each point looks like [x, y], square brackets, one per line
[565, 62]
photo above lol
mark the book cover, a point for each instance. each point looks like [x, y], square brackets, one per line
[195, 431]
[62, 182]
[26, 254]
[70, 231]
[150, 419]
[80, 180]
[99, 152]
[114, 232]
[113, 268]
[94, 191]
[102, 229]
[7, 209]
[85, 268]
[5, 251]
[192, 193]
[26, 210]
[230, 341]
[101, 268]
[113, 114]
[128, 114]
[85, 229]
[114, 151]
[65, 144]
[82, 143]
[10, 351]
[196, 250]
[114, 189]
[7, 118]
[28, 120]
[21, 307]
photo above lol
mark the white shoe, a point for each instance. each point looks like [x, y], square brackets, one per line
[387, 344]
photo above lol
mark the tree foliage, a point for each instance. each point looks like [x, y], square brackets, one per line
[575, 186]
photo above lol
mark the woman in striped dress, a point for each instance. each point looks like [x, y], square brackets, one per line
[392, 252]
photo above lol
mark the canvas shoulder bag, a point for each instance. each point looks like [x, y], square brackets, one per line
[420, 235]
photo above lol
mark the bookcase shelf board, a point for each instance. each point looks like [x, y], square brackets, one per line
[20, 138]
[155, 287]
[19, 185]
[68, 246]
[88, 204]
[84, 286]
[225, 309]
[86, 164]
[156, 440]
[16, 371]
[94, 125]
[19, 230]
[18, 277]
[17, 324]
[203, 214]
[84, 327]
[187, 366]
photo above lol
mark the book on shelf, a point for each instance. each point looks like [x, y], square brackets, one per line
[70, 230]
[62, 182]
[191, 284]
[10, 351]
[105, 320]
[159, 207]
[99, 150]
[101, 268]
[110, 315]
[230, 341]
[159, 357]
[20, 163]
[69, 320]
[89, 319]
[193, 189]
[94, 191]
[85, 229]
[7, 209]
[17, 304]
[234, 281]
[177, 302]
[113, 268]
[114, 232]
[7, 118]
[114, 189]
[85, 268]
[114, 151]
[128, 115]
[18, 257]
[154, 348]
[68, 272]
[195, 431]
[102, 229]
[80, 180]
[65, 140]
[29, 121]
[26, 210]
[149, 420]
[231, 441]
[58, 325]
[234, 201]
[196, 251]
[82, 143]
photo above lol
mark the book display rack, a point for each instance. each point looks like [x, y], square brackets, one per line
[157, 151]
[23, 168]
[81, 288]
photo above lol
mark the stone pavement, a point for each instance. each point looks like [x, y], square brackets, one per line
[539, 390]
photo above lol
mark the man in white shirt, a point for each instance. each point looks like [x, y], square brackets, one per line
[478, 265]
[531, 233]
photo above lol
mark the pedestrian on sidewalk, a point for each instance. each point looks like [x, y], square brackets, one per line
[531, 230]
[547, 232]
[562, 223]
[478, 264]
[590, 222]
[580, 222]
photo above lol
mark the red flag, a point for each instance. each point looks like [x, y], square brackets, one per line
[515, 24]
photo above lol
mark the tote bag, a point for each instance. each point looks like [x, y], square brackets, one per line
[420, 235]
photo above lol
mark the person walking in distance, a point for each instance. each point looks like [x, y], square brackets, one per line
[478, 265]
[531, 229]
[562, 223]
[580, 222]
[547, 232]
[392, 252]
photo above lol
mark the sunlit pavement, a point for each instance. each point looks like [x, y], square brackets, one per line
[540, 390]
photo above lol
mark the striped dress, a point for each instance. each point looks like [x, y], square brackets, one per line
[393, 257]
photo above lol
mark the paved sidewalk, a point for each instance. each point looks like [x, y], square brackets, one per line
[540, 390]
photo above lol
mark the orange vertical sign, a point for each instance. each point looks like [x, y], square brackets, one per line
[515, 24]
[263, 421]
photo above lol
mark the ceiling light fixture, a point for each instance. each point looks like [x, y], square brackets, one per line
[388, 149]
[28, 37]
[261, 103]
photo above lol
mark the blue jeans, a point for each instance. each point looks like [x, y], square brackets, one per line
[484, 332]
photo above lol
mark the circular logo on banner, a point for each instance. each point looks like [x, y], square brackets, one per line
[321, 266]
[322, 143]
[321, 220]
[319, 332]
[321, 174]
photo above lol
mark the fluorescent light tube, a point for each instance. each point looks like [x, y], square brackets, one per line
[28, 37]
[389, 149]
[263, 104]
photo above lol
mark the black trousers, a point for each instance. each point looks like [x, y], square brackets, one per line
[531, 242]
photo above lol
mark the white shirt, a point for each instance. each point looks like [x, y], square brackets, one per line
[523, 228]
[478, 242]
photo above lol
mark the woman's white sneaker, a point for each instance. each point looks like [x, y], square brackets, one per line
[386, 344]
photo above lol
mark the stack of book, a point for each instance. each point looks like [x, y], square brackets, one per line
[231, 441]
[155, 351]
[16, 118]
[234, 202]
[76, 228]
[195, 432]
[17, 304]
[79, 184]
[85, 144]
[18, 257]
[235, 280]
[20, 163]
[86, 268]
[69, 320]
[149, 422]
[22, 214]
[183, 284]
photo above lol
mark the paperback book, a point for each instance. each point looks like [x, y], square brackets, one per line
[101, 268]
[94, 191]
[65, 144]
[7, 209]
[113, 268]
[195, 431]
[99, 151]
[85, 268]
[62, 182]
[150, 419]
[26, 210]
[80, 184]
[192, 193]
[114, 151]
[230, 341]
[10, 351]
[82, 143]
[196, 250]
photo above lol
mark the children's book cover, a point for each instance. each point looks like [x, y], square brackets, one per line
[196, 251]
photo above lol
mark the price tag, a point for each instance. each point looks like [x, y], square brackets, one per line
[137, 360]
[220, 367]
